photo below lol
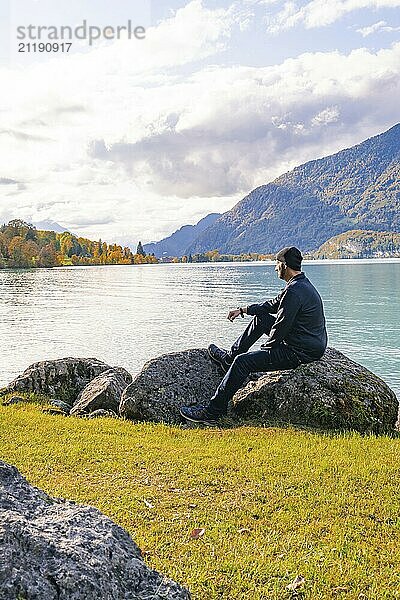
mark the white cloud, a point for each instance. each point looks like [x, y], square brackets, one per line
[233, 127]
[320, 13]
[375, 27]
[129, 142]
[365, 31]
[330, 114]
[56, 110]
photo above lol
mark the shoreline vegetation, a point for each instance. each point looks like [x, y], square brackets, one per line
[22, 246]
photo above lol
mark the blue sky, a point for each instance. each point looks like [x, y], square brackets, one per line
[131, 139]
[256, 46]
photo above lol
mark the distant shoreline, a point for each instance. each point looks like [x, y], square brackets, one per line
[306, 261]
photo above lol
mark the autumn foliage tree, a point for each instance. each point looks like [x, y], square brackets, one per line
[48, 256]
[22, 246]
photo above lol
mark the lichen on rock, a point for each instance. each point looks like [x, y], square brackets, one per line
[332, 393]
[168, 382]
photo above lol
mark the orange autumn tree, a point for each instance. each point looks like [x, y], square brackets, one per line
[23, 246]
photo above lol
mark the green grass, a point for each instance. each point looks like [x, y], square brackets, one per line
[323, 506]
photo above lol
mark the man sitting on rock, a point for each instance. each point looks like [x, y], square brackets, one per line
[295, 324]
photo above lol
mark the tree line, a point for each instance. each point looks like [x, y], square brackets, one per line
[23, 246]
[215, 256]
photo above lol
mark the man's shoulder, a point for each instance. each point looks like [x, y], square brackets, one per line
[298, 281]
[301, 286]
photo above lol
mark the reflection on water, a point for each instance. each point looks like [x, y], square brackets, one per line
[125, 315]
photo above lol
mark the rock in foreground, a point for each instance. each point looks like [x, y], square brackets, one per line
[332, 393]
[168, 382]
[51, 549]
[64, 378]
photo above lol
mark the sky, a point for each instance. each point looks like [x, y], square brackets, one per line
[130, 139]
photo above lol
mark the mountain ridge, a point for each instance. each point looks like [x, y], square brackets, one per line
[355, 188]
[177, 243]
[49, 225]
[361, 244]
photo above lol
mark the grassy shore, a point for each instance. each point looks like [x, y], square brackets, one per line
[274, 503]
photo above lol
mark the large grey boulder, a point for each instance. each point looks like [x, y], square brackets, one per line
[332, 393]
[63, 378]
[103, 392]
[168, 382]
[51, 549]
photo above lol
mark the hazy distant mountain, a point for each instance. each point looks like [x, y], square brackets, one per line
[357, 188]
[48, 225]
[177, 243]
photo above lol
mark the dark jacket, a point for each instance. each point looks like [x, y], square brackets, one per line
[299, 322]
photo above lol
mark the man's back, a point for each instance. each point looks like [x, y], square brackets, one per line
[299, 321]
[308, 335]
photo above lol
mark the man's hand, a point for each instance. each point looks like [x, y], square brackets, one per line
[234, 313]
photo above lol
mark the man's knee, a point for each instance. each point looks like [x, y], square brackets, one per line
[241, 362]
[237, 361]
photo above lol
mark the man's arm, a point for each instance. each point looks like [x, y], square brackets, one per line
[288, 308]
[236, 312]
[270, 306]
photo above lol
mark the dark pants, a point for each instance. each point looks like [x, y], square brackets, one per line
[244, 362]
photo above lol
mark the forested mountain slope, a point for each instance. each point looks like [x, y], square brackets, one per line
[357, 188]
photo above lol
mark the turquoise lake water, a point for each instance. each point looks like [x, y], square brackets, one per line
[126, 315]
